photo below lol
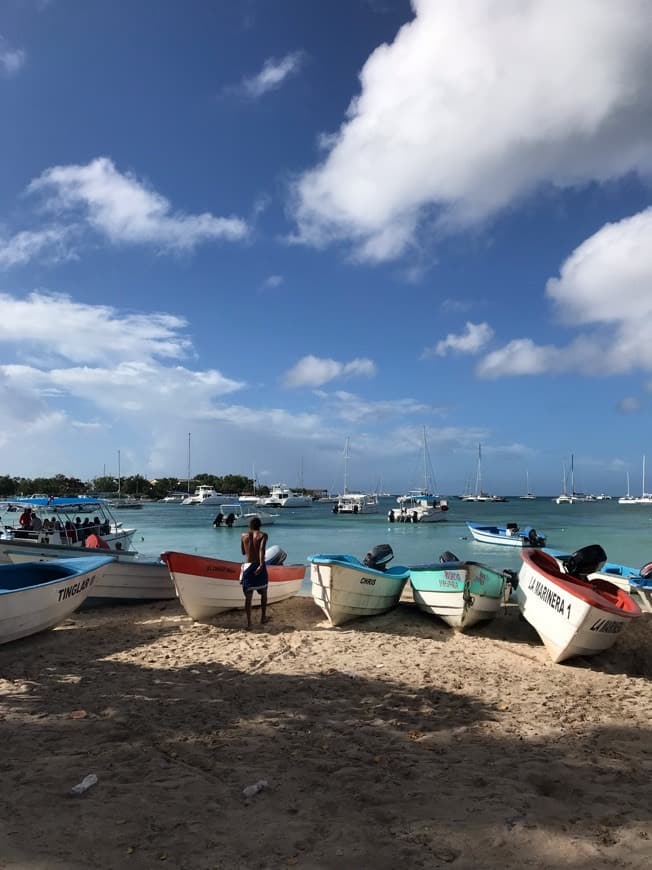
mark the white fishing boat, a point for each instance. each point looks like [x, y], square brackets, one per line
[510, 535]
[54, 528]
[528, 494]
[125, 579]
[346, 588]
[461, 593]
[572, 616]
[231, 516]
[283, 497]
[36, 596]
[208, 586]
[354, 502]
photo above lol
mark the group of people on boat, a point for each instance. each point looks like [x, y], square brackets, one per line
[30, 521]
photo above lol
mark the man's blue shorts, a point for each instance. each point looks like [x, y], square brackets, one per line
[252, 582]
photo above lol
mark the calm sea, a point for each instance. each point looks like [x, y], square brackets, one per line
[624, 531]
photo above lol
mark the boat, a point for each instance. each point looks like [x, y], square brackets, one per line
[636, 581]
[459, 592]
[420, 505]
[572, 497]
[207, 586]
[510, 535]
[479, 494]
[572, 616]
[346, 588]
[354, 502]
[127, 502]
[644, 498]
[36, 596]
[603, 497]
[528, 495]
[127, 578]
[282, 497]
[53, 531]
[232, 516]
[204, 495]
[173, 499]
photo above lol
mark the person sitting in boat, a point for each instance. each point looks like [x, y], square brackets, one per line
[105, 528]
[25, 519]
[37, 523]
[511, 530]
[253, 575]
[71, 532]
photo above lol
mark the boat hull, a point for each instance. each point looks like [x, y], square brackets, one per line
[53, 591]
[463, 594]
[207, 587]
[348, 591]
[44, 548]
[123, 579]
[572, 617]
[498, 535]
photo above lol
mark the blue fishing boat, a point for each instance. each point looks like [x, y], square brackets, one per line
[346, 588]
[35, 596]
[461, 593]
[510, 535]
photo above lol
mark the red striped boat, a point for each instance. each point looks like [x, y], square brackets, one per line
[208, 586]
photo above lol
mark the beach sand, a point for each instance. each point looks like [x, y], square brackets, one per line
[391, 742]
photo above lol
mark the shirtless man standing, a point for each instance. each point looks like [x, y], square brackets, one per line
[254, 571]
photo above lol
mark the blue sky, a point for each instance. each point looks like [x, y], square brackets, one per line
[276, 225]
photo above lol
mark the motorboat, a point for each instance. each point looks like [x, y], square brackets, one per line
[346, 588]
[231, 516]
[36, 596]
[55, 529]
[572, 615]
[462, 593]
[418, 506]
[356, 503]
[282, 497]
[510, 535]
[204, 495]
[207, 587]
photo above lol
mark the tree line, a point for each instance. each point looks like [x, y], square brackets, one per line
[138, 486]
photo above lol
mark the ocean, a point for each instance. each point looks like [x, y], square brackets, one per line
[624, 531]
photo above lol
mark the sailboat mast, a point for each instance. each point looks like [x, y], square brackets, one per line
[478, 479]
[188, 463]
[118, 474]
[643, 492]
[572, 474]
[346, 466]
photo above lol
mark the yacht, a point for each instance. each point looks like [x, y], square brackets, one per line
[204, 495]
[480, 494]
[356, 503]
[281, 496]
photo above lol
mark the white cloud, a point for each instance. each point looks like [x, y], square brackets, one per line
[274, 72]
[354, 409]
[312, 371]
[126, 210]
[26, 245]
[273, 281]
[604, 285]
[475, 104]
[476, 336]
[11, 59]
[629, 405]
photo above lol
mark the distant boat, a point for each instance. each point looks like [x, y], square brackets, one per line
[282, 497]
[479, 494]
[510, 535]
[572, 497]
[354, 502]
[232, 516]
[461, 593]
[528, 494]
[204, 495]
[644, 498]
[572, 616]
[36, 596]
[346, 588]
[420, 505]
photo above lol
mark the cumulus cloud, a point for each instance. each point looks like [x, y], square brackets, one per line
[629, 405]
[604, 288]
[11, 59]
[273, 281]
[355, 409]
[128, 211]
[272, 75]
[472, 340]
[474, 105]
[312, 371]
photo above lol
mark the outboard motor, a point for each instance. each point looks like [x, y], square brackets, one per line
[379, 557]
[585, 561]
[275, 556]
[230, 520]
[536, 540]
[512, 527]
[218, 520]
[447, 556]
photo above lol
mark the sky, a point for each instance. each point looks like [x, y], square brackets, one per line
[234, 236]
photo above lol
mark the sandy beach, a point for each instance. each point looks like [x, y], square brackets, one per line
[389, 742]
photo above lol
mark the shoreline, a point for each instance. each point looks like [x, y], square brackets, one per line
[389, 741]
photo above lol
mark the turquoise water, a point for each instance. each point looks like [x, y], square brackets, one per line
[624, 531]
